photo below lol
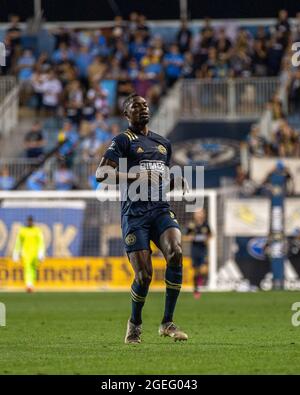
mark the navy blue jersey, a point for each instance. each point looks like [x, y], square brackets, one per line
[200, 232]
[151, 152]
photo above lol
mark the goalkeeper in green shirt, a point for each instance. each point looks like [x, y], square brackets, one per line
[30, 248]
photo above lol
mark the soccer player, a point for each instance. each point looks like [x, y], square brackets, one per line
[30, 248]
[279, 184]
[198, 232]
[143, 221]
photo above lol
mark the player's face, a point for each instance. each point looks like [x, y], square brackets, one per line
[29, 222]
[138, 112]
[199, 216]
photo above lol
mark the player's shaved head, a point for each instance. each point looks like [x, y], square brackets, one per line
[136, 111]
[200, 215]
[128, 101]
[29, 220]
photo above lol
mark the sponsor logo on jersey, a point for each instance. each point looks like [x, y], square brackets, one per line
[152, 165]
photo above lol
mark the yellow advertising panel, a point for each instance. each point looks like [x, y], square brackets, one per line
[86, 273]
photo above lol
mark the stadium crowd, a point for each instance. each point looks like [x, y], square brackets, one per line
[70, 83]
[274, 136]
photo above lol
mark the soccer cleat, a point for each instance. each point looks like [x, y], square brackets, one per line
[133, 333]
[171, 330]
[197, 294]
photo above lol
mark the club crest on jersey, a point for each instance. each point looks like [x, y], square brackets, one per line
[140, 150]
[130, 239]
[162, 149]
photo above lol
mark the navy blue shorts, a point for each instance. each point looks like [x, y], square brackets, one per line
[199, 256]
[139, 230]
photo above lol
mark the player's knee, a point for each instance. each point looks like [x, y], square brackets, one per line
[143, 278]
[174, 257]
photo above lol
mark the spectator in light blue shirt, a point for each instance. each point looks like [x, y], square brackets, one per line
[37, 181]
[133, 69]
[6, 181]
[83, 60]
[173, 62]
[69, 135]
[64, 179]
[138, 48]
[62, 54]
[93, 183]
[98, 45]
[25, 65]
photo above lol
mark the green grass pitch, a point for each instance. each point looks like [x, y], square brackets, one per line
[83, 333]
